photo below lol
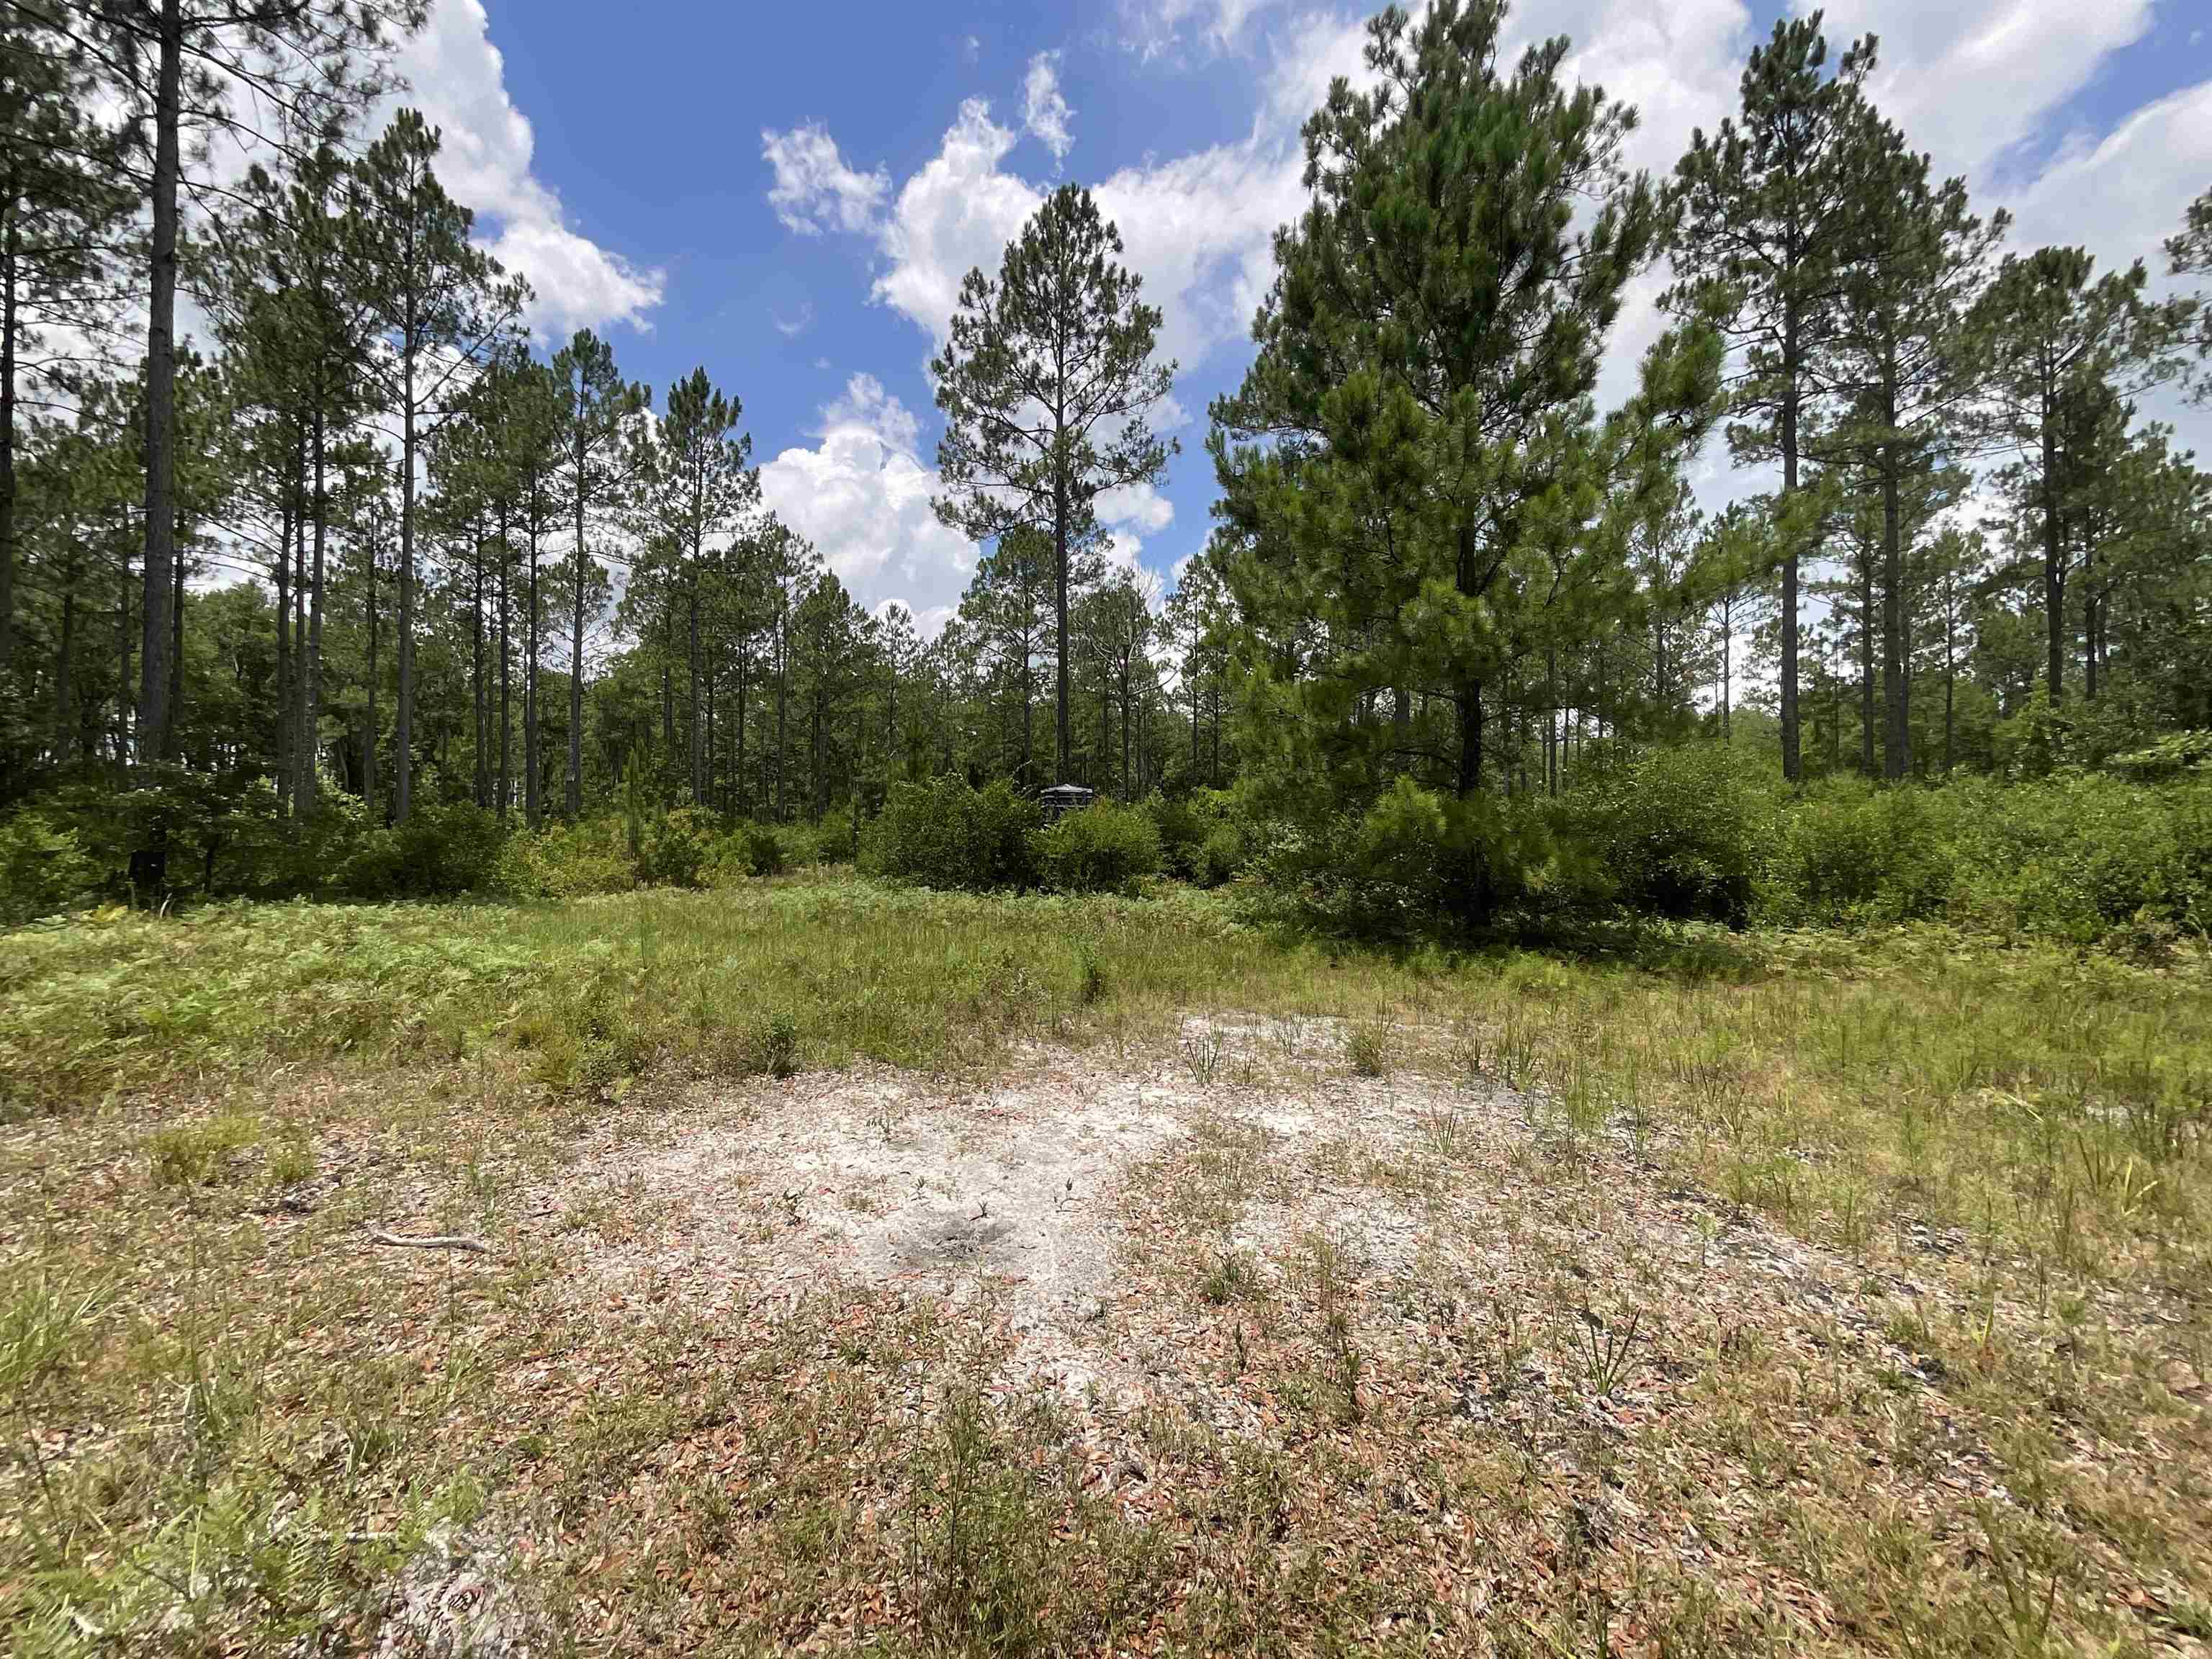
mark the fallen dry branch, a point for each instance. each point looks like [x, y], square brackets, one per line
[432, 1241]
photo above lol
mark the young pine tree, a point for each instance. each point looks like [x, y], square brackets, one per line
[1766, 213]
[1047, 384]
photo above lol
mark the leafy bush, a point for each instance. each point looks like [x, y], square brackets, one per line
[565, 861]
[763, 851]
[2075, 856]
[1199, 840]
[1220, 858]
[673, 848]
[1415, 864]
[43, 869]
[945, 834]
[1105, 848]
[1851, 853]
[833, 839]
[2080, 855]
[749, 850]
[442, 851]
[1679, 831]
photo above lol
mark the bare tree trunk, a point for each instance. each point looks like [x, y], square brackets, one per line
[698, 753]
[1896, 735]
[745, 785]
[506, 680]
[281, 571]
[311, 682]
[9, 240]
[368, 736]
[532, 805]
[1059, 508]
[476, 672]
[575, 787]
[1867, 631]
[782, 679]
[156, 711]
[2054, 565]
[1793, 765]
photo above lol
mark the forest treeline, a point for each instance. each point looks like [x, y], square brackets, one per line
[351, 569]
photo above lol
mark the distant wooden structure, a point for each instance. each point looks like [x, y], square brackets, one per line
[1064, 797]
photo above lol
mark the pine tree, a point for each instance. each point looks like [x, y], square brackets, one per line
[1765, 207]
[2051, 343]
[1896, 353]
[2190, 254]
[1047, 384]
[265, 74]
[1423, 489]
[61, 205]
[696, 491]
[602, 428]
[443, 309]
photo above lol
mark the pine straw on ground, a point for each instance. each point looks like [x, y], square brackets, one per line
[1241, 1333]
[1098, 1354]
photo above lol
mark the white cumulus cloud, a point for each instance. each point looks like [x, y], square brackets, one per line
[814, 190]
[1044, 106]
[861, 495]
[457, 78]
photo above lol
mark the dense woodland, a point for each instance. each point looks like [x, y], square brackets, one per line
[301, 530]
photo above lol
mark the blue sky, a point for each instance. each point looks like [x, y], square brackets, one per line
[789, 195]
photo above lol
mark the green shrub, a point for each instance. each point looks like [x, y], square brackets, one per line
[797, 845]
[1220, 858]
[564, 861]
[1416, 863]
[1199, 840]
[1852, 854]
[442, 851]
[674, 848]
[43, 869]
[943, 833]
[1105, 848]
[833, 839]
[748, 851]
[1679, 831]
[2078, 855]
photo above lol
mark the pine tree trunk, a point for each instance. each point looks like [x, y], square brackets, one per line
[745, 785]
[64, 657]
[281, 572]
[8, 239]
[2091, 604]
[1059, 621]
[505, 666]
[1867, 716]
[574, 799]
[156, 670]
[297, 743]
[533, 805]
[698, 753]
[369, 738]
[1896, 735]
[477, 675]
[403, 732]
[306, 792]
[1793, 765]
[1950, 673]
[2054, 566]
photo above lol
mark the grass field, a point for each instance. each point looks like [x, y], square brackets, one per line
[1771, 1294]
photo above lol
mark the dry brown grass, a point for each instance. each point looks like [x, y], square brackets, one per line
[1854, 1303]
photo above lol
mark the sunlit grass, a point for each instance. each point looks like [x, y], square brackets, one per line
[240, 1430]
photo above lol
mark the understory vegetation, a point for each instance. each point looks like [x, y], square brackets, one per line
[1691, 833]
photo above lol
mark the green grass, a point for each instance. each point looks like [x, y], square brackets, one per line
[227, 1428]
